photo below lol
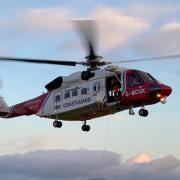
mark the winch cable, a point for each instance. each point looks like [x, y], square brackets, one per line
[105, 147]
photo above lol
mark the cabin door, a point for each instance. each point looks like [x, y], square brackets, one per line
[113, 86]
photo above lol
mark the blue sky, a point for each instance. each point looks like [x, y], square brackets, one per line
[128, 30]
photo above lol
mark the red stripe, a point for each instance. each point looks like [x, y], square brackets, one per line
[28, 107]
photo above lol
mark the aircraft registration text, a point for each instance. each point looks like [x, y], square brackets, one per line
[135, 92]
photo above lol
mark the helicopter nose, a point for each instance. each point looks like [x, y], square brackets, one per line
[166, 90]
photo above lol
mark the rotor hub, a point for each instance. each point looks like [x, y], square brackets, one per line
[94, 63]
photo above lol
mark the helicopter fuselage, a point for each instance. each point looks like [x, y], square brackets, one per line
[110, 90]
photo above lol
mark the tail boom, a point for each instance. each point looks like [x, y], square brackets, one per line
[29, 107]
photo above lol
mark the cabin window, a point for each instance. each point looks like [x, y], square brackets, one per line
[97, 86]
[74, 92]
[134, 79]
[67, 95]
[58, 97]
[84, 91]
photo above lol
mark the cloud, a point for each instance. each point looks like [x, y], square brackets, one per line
[23, 145]
[171, 26]
[140, 158]
[51, 19]
[162, 36]
[114, 24]
[164, 41]
[162, 165]
[58, 164]
[37, 21]
[117, 27]
[153, 11]
[83, 164]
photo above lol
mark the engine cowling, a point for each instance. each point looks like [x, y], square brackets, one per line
[56, 83]
[86, 75]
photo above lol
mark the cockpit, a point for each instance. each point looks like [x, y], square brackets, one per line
[155, 88]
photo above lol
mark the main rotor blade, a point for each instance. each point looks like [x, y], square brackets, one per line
[87, 29]
[38, 61]
[176, 56]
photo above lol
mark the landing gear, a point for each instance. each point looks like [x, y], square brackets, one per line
[143, 112]
[57, 124]
[131, 111]
[85, 127]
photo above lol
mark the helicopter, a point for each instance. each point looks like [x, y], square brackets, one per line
[98, 91]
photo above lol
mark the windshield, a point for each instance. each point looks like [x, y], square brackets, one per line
[148, 77]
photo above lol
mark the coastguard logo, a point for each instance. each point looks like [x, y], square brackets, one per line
[73, 103]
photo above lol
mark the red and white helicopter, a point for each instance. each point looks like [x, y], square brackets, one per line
[92, 93]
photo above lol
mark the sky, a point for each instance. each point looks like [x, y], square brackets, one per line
[127, 30]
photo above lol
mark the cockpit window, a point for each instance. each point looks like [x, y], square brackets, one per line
[151, 78]
[148, 77]
[134, 79]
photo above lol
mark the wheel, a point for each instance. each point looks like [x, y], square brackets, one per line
[57, 124]
[86, 128]
[143, 112]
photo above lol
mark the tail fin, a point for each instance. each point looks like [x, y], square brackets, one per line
[3, 104]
